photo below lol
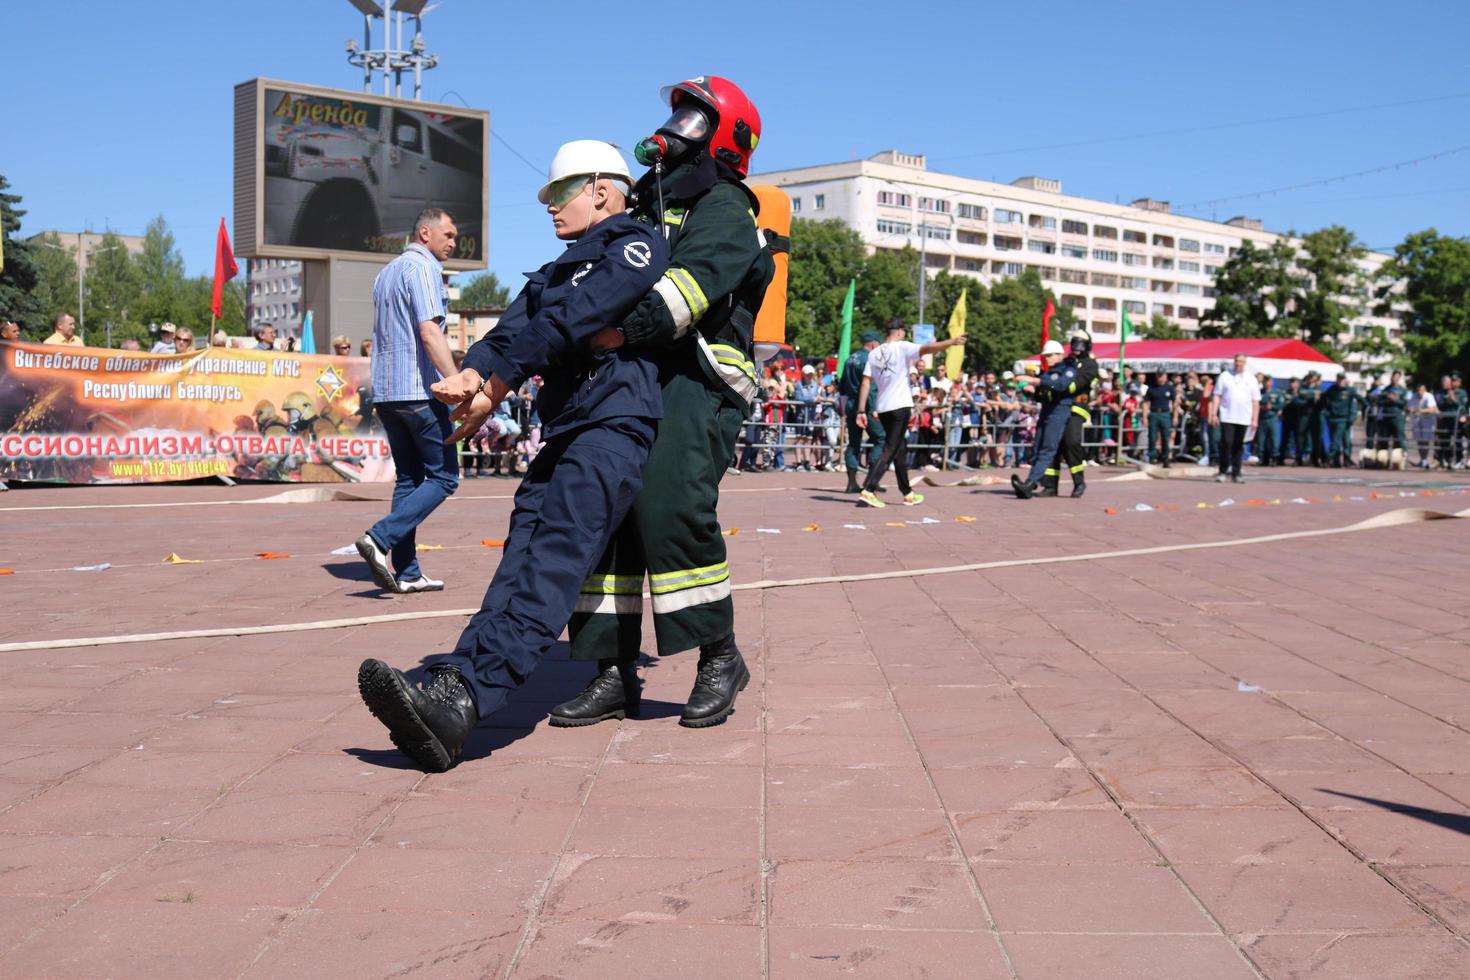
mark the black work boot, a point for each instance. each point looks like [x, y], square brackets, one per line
[1048, 487]
[614, 693]
[722, 675]
[1079, 487]
[429, 725]
[1023, 489]
[852, 482]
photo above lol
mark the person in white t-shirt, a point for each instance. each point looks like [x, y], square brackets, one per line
[1235, 406]
[888, 372]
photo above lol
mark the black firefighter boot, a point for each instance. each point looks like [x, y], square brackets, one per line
[1023, 489]
[852, 482]
[722, 675]
[428, 725]
[614, 693]
[1079, 485]
[1048, 486]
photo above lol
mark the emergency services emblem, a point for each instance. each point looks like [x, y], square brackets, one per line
[330, 383]
[577, 276]
[638, 254]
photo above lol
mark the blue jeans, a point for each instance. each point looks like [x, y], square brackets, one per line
[428, 472]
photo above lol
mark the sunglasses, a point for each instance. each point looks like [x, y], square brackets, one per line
[565, 191]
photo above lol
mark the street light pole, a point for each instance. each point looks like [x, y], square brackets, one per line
[82, 281]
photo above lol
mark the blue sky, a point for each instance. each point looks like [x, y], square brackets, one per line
[124, 115]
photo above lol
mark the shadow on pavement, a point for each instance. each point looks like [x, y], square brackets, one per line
[1458, 822]
[349, 571]
[557, 679]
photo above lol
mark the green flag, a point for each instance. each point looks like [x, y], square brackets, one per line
[1123, 333]
[844, 346]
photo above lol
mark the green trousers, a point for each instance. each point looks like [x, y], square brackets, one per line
[852, 456]
[671, 536]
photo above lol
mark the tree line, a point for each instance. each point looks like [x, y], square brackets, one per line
[1311, 291]
[128, 291]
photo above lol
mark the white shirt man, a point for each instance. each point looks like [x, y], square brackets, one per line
[1235, 406]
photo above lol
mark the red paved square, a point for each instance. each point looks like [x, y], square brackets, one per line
[1211, 759]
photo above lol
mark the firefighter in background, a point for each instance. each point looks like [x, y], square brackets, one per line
[1056, 388]
[1070, 452]
[699, 320]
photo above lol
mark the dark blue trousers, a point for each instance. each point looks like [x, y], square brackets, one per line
[1049, 430]
[576, 492]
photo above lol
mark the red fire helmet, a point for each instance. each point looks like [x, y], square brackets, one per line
[737, 123]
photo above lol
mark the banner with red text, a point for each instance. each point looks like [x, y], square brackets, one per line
[95, 415]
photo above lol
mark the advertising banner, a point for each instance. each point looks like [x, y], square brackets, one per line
[322, 172]
[95, 415]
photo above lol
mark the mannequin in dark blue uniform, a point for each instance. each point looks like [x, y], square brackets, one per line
[1056, 389]
[599, 413]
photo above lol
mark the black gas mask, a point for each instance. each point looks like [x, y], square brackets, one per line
[1081, 346]
[686, 131]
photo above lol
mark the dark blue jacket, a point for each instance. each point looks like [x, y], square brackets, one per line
[1060, 384]
[593, 284]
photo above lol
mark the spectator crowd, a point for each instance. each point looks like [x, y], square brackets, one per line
[986, 420]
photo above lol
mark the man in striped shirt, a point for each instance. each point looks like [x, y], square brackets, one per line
[410, 353]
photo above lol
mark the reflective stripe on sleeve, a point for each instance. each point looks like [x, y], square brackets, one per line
[679, 309]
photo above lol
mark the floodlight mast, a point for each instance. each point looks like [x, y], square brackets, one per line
[392, 58]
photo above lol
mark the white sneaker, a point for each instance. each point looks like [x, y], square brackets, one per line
[421, 584]
[377, 562]
[1220, 477]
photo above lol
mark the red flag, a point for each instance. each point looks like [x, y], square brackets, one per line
[1046, 316]
[224, 270]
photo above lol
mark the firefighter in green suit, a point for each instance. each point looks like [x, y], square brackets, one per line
[699, 319]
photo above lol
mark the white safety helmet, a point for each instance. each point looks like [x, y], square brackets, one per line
[585, 158]
[1052, 347]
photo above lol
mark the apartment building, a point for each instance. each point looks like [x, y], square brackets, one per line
[275, 295]
[1100, 258]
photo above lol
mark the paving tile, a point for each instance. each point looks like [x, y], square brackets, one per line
[1302, 754]
[968, 751]
[1194, 788]
[1059, 956]
[1363, 957]
[353, 945]
[799, 953]
[716, 746]
[671, 784]
[695, 832]
[42, 764]
[1117, 757]
[641, 889]
[1020, 788]
[1118, 714]
[1043, 837]
[471, 824]
[387, 878]
[1300, 897]
[873, 894]
[848, 834]
[225, 874]
[840, 750]
[843, 786]
[1445, 890]
[23, 915]
[1375, 790]
[85, 731]
[271, 816]
[1406, 836]
[866, 716]
[63, 866]
[77, 808]
[122, 939]
[1247, 835]
[543, 782]
[145, 767]
[621, 950]
[1097, 899]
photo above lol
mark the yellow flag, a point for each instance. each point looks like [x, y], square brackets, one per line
[955, 356]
